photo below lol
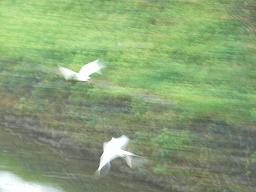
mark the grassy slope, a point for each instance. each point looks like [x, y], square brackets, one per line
[187, 51]
[197, 55]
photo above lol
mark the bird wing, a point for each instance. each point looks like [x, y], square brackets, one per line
[105, 160]
[122, 141]
[116, 143]
[67, 73]
[104, 170]
[105, 145]
[90, 68]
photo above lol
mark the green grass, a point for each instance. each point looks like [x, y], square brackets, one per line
[173, 66]
[186, 51]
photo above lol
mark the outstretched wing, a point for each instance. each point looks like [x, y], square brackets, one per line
[104, 161]
[90, 68]
[67, 73]
[120, 142]
[104, 170]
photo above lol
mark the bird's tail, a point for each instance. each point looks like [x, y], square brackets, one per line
[128, 160]
[128, 156]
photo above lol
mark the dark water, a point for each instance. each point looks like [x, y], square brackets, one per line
[40, 167]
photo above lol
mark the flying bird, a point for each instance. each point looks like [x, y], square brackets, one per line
[84, 73]
[114, 149]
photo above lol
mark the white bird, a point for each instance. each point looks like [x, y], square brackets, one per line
[113, 149]
[84, 73]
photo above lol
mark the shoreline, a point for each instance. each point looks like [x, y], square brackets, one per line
[60, 140]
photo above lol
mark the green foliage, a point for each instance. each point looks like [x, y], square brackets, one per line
[161, 170]
[147, 46]
[253, 157]
[19, 81]
[168, 142]
[142, 143]
[23, 104]
[139, 108]
[197, 55]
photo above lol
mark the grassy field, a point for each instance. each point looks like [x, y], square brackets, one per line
[197, 54]
[179, 80]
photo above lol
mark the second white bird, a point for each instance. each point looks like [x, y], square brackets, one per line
[84, 73]
[113, 149]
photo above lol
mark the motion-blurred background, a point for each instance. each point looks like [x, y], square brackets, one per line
[179, 81]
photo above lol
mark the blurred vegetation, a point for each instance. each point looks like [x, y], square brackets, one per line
[253, 157]
[167, 141]
[180, 81]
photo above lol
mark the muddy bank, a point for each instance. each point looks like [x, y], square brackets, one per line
[29, 127]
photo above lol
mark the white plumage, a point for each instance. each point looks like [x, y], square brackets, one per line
[114, 149]
[84, 73]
